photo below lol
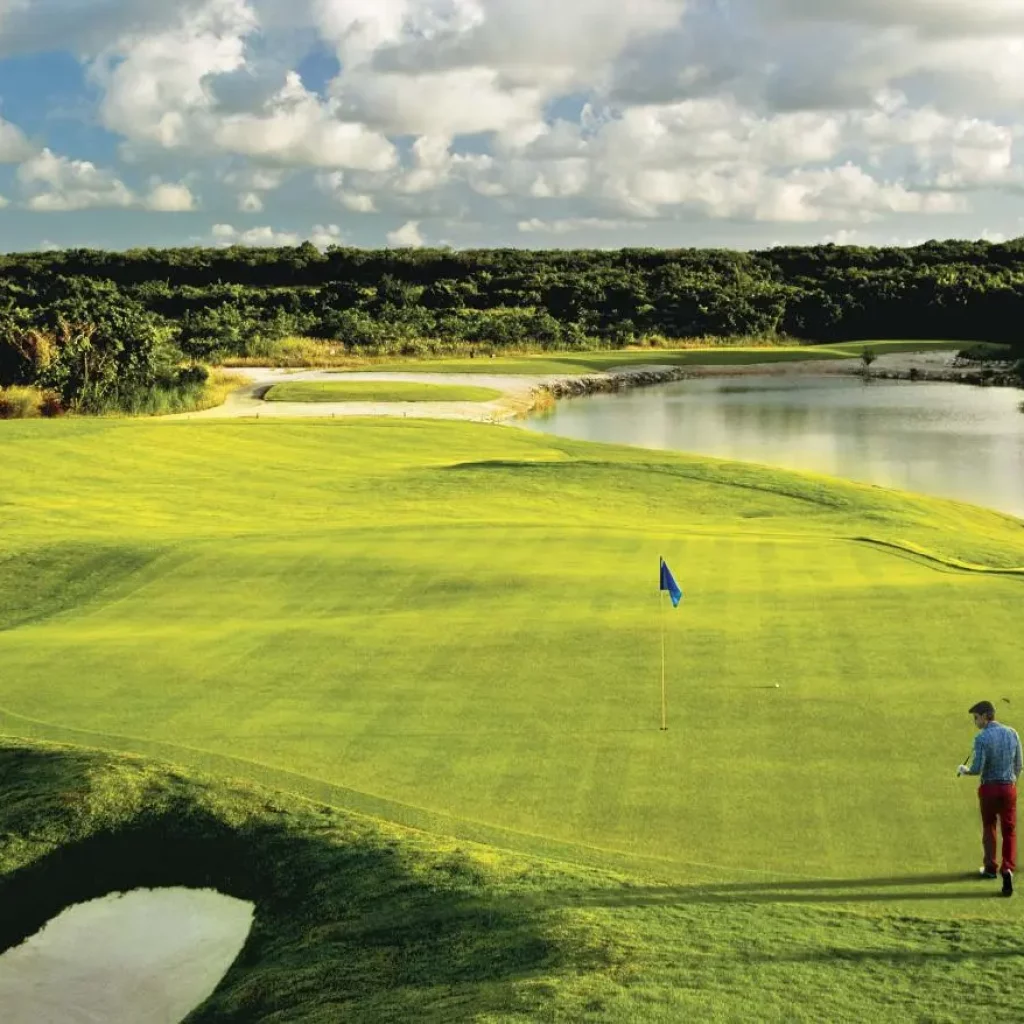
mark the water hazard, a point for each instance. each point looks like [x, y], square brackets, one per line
[951, 440]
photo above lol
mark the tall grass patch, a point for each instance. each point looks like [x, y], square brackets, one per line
[18, 403]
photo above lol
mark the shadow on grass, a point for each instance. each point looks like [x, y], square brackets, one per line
[887, 889]
[903, 957]
[350, 923]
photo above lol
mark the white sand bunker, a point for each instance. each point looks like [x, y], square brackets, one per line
[144, 957]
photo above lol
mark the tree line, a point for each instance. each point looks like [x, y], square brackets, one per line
[98, 329]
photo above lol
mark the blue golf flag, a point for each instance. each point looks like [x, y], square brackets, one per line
[668, 583]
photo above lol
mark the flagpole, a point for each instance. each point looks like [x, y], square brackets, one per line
[664, 691]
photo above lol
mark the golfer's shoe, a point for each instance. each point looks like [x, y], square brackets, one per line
[1007, 889]
[990, 875]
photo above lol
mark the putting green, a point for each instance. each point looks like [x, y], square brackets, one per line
[457, 625]
[349, 391]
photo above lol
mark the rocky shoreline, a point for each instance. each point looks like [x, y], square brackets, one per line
[621, 380]
[987, 377]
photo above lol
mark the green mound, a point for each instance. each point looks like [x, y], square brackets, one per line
[361, 391]
[358, 920]
[456, 626]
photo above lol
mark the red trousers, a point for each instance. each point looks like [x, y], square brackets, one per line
[999, 801]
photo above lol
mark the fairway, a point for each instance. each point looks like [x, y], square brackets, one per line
[457, 626]
[357, 391]
[595, 362]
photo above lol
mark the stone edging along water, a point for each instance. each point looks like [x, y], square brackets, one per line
[617, 380]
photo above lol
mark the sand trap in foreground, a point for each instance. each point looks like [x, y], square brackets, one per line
[146, 957]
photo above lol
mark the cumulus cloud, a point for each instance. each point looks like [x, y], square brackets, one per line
[324, 235]
[569, 225]
[321, 235]
[224, 235]
[256, 179]
[296, 128]
[158, 90]
[408, 236]
[557, 117]
[167, 198]
[333, 185]
[14, 147]
[60, 184]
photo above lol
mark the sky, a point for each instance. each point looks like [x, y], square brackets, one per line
[529, 123]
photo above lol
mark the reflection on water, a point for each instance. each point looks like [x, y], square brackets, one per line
[951, 440]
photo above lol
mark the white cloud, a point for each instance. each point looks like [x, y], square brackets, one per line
[60, 185]
[250, 202]
[322, 235]
[256, 179]
[4, 201]
[570, 225]
[158, 92]
[156, 84]
[844, 236]
[462, 101]
[408, 236]
[357, 202]
[555, 117]
[333, 185]
[14, 147]
[224, 235]
[168, 198]
[297, 129]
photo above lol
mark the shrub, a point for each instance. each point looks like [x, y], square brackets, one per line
[192, 376]
[19, 403]
[51, 406]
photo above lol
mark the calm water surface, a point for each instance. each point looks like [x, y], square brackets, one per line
[951, 440]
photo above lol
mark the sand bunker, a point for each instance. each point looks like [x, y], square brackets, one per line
[146, 957]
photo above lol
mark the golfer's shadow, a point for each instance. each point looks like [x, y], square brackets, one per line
[839, 890]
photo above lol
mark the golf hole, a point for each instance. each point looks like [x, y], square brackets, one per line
[150, 956]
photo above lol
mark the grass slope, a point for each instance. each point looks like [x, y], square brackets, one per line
[355, 391]
[455, 626]
[591, 362]
[359, 920]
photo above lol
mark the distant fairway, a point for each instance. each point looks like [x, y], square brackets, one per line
[355, 391]
[457, 625]
[590, 362]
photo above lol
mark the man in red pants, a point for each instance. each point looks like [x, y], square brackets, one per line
[997, 759]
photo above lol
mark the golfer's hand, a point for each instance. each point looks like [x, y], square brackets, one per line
[962, 770]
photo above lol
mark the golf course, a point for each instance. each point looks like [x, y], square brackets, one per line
[402, 679]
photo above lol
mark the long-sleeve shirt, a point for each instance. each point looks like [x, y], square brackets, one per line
[997, 754]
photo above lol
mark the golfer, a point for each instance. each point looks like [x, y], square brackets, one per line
[997, 759]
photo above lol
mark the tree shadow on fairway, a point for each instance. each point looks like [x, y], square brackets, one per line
[351, 923]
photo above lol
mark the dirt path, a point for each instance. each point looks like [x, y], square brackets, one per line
[517, 396]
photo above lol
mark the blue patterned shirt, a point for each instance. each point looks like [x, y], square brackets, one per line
[997, 754]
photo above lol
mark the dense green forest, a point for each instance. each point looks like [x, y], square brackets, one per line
[96, 330]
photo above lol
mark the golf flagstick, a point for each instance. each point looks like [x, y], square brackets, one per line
[664, 691]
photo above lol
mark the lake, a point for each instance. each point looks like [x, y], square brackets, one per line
[950, 440]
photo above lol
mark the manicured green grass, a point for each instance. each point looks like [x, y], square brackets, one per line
[589, 362]
[354, 391]
[455, 626]
[359, 920]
